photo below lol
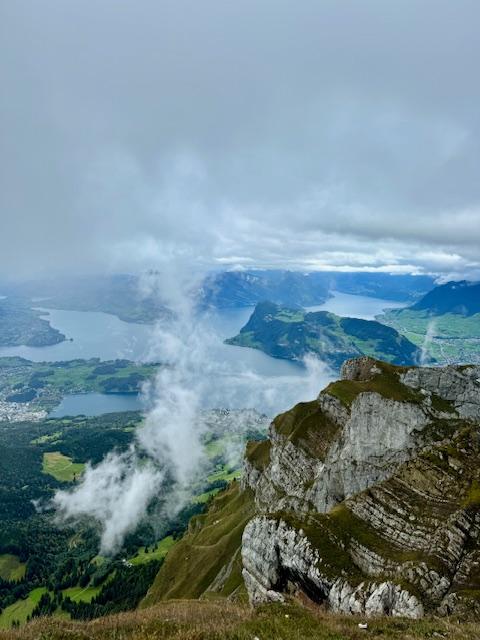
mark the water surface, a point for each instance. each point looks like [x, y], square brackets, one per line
[364, 307]
[94, 404]
[90, 334]
[235, 377]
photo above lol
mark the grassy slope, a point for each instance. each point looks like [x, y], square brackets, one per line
[61, 467]
[11, 568]
[212, 540]
[220, 619]
[21, 609]
[386, 383]
[163, 547]
[82, 594]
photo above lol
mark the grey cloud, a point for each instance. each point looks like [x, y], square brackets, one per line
[254, 133]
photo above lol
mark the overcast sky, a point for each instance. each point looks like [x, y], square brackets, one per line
[303, 134]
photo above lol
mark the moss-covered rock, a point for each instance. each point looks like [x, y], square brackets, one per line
[370, 497]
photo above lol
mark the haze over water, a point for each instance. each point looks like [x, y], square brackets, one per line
[240, 377]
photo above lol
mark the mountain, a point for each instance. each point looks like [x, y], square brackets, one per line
[293, 333]
[121, 295]
[453, 297]
[445, 323]
[365, 500]
[388, 286]
[125, 295]
[246, 288]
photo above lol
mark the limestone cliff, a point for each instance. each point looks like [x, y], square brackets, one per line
[368, 498]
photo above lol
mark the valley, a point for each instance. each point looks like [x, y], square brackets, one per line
[37, 557]
[239, 320]
[445, 323]
[47, 570]
[30, 390]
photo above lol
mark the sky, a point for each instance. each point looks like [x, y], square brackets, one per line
[257, 133]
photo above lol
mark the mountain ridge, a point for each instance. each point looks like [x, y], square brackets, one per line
[461, 297]
[366, 499]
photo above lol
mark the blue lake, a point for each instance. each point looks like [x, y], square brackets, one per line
[364, 307]
[236, 377]
[90, 334]
[94, 404]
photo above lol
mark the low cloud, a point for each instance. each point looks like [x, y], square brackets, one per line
[167, 456]
[115, 493]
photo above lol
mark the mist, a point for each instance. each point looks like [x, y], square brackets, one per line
[168, 455]
[174, 138]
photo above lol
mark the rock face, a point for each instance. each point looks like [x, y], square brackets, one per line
[368, 498]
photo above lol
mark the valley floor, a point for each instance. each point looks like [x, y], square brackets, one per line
[221, 619]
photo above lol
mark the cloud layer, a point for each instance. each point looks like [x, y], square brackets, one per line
[256, 133]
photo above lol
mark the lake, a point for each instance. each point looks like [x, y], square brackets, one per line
[90, 334]
[364, 307]
[94, 404]
[235, 377]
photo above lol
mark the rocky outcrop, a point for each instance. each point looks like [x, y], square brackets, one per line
[368, 498]
[456, 385]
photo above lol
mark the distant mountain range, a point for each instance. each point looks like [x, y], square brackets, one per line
[453, 297]
[123, 296]
[246, 288]
[292, 334]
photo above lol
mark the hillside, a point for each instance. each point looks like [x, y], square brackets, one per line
[445, 323]
[246, 288]
[41, 560]
[293, 333]
[21, 325]
[212, 548]
[453, 297]
[367, 500]
[224, 620]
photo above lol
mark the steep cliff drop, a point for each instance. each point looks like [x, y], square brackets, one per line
[366, 499]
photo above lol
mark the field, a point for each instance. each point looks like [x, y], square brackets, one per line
[205, 497]
[158, 553]
[11, 568]
[21, 609]
[38, 457]
[449, 338]
[224, 620]
[225, 473]
[61, 467]
[82, 594]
